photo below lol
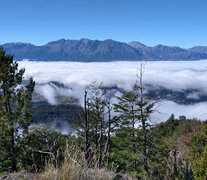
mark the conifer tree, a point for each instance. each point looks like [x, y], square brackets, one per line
[133, 142]
[97, 112]
[15, 98]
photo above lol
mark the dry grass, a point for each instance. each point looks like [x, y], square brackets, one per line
[75, 168]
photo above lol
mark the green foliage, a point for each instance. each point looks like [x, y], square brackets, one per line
[135, 149]
[35, 152]
[172, 129]
[14, 110]
[175, 135]
[94, 131]
[199, 141]
[45, 113]
[199, 165]
[199, 153]
[5, 159]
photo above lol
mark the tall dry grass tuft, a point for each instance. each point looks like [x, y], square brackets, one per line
[74, 167]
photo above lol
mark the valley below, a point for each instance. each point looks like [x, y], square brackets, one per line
[178, 87]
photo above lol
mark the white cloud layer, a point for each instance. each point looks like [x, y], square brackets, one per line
[177, 75]
[166, 108]
[170, 74]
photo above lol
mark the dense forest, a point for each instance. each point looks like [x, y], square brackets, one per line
[110, 141]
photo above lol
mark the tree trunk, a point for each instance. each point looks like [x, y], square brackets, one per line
[108, 140]
[86, 124]
[12, 135]
[99, 162]
[143, 120]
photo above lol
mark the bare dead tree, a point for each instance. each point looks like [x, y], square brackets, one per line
[99, 117]
[108, 140]
[50, 146]
[86, 128]
[97, 128]
[100, 146]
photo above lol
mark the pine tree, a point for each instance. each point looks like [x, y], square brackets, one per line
[15, 101]
[134, 144]
[97, 125]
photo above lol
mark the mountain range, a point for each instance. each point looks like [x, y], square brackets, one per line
[86, 50]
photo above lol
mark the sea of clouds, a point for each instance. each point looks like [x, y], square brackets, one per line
[75, 76]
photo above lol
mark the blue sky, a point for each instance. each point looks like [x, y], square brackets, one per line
[152, 22]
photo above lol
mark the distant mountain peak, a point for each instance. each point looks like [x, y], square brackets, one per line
[85, 40]
[60, 41]
[136, 44]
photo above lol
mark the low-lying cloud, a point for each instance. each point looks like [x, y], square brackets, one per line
[169, 74]
[75, 76]
[166, 108]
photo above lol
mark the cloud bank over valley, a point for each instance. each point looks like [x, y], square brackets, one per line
[69, 79]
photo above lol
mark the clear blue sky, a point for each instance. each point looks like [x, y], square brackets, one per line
[152, 22]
